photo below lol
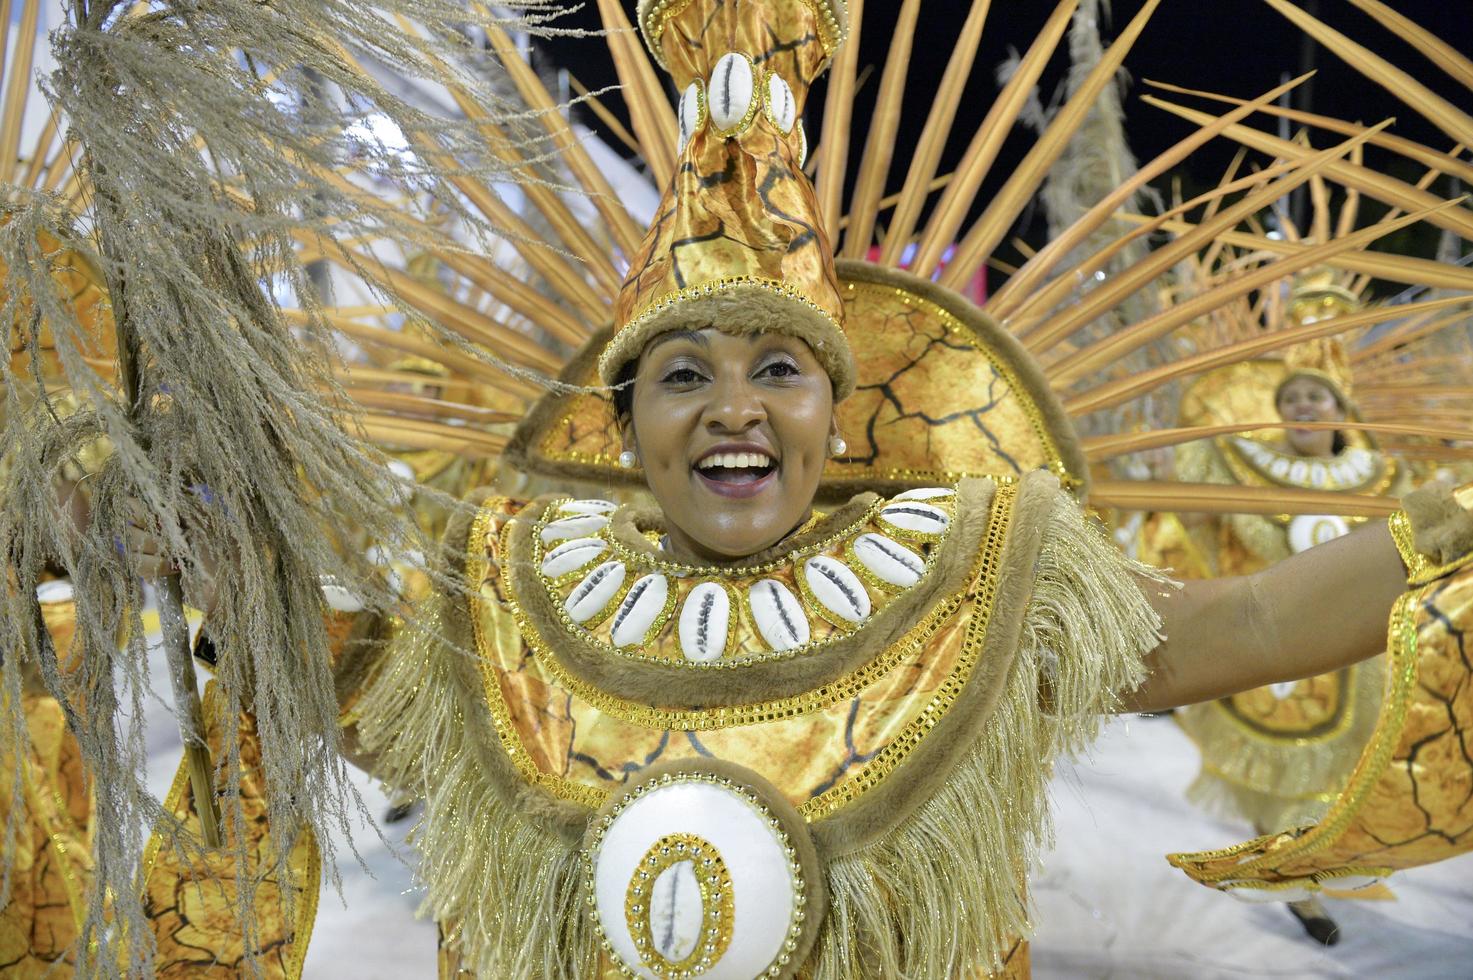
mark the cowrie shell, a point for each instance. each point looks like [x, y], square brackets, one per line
[704, 620]
[889, 560]
[782, 108]
[731, 92]
[595, 592]
[56, 590]
[837, 588]
[690, 113]
[912, 515]
[593, 505]
[778, 614]
[582, 526]
[571, 556]
[636, 614]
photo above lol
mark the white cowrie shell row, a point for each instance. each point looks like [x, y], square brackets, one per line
[571, 556]
[912, 515]
[778, 614]
[636, 614]
[573, 527]
[704, 620]
[837, 588]
[591, 506]
[889, 560]
[731, 92]
[595, 592]
[782, 108]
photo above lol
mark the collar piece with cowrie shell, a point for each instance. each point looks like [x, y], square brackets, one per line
[610, 587]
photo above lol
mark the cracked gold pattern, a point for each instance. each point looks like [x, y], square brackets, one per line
[581, 743]
[1410, 799]
[188, 898]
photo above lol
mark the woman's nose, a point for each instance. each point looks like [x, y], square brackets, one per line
[734, 407]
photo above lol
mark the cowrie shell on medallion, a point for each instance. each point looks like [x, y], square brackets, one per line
[593, 505]
[782, 108]
[636, 614]
[571, 556]
[837, 588]
[768, 893]
[704, 620]
[691, 113]
[676, 911]
[778, 614]
[889, 560]
[582, 526]
[912, 515]
[925, 493]
[595, 592]
[730, 94]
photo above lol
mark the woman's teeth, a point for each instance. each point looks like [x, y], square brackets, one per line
[735, 461]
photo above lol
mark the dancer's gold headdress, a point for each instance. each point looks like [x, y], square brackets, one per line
[1316, 297]
[736, 243]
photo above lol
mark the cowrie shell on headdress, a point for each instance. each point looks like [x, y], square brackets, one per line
[837, 588]
[590, 506]
[571, 556]
[911, 515]
[925, 493]
[636, 614]
[782, 108]
[704, 620]
[730, 94]
[778, 614]
[802, 146]
[889, 560]
[573, 527]
[691, 112]
[594, 593]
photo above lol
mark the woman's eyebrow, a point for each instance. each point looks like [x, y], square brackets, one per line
[693, 336]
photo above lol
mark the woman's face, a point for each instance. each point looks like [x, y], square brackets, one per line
[1308, 400]
[732, 432]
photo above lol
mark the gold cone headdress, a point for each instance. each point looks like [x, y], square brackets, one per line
[736, 243]
[1315, 297]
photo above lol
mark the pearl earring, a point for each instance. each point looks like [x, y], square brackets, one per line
[837, 446]
[627, 460]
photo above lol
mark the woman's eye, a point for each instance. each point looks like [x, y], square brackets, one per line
[681, 376]
[778, 369]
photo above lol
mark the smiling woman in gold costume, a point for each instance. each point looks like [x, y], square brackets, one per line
[731, 735]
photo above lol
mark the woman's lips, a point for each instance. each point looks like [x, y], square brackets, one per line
[737, 489]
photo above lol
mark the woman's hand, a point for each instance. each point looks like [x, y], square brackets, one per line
[1321, 610]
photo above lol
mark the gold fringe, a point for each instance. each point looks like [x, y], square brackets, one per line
[947, 891]
[505, 890]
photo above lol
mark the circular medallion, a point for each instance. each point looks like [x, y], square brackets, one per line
[701, 870]
[1308, 530]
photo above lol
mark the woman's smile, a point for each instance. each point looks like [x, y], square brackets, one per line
[739, 470]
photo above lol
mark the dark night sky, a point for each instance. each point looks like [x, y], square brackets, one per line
[1236, 47]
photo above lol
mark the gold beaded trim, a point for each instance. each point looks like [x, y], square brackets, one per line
[795, 867]
[657, 15]
[1420, 569]
[890, 757]
[718, 904]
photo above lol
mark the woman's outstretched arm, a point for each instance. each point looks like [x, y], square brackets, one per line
[1316, 612]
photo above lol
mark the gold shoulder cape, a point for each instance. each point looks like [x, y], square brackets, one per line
[913, 748]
